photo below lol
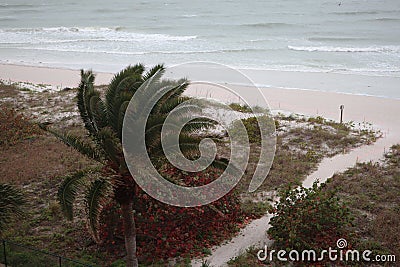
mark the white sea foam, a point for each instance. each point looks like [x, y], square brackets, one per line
[189, 15]
[395, 49]
[80, 34]
[167, 52]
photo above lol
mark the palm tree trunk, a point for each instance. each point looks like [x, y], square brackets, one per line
[130, 234]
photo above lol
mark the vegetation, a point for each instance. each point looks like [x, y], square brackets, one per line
[248, 258]
[308, 218]
[15, 127]
[372, 191]
[12, 203]
[303, 219]
[252, 129]
[163, 230]
[240, 108]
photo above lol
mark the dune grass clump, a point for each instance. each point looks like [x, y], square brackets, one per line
[15, 127]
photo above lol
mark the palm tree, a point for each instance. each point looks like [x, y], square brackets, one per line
[103, 119]
[12, 202]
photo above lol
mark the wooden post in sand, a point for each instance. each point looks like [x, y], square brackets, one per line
[341, 113]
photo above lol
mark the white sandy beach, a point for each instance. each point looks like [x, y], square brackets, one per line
[43, 75]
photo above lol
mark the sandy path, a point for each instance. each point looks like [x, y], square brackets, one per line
[252, 234]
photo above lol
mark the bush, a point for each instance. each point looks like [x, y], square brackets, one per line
[311, 218]
[241, 108]
[14, 127]
[253, 127]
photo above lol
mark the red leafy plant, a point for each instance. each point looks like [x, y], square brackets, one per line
[166, 231]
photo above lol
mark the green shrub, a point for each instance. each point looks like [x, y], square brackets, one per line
[253, 127]
[318, 120]
[311, 218]
[240, 108]
[118, 263]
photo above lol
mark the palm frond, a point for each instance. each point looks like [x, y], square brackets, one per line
[175, 83]
[120, 81]
[130, 71]
[154, 125]
[168, 106]
[110, 144]
[95, 198]
[85, 92]
[121, 116]
[67, 192]
[153, 146]
[150, 73]
[12, 203]
[188, 145]
[151, 92]
[77, 143]
[181, 115]
[173, 91]
[198, 124]
[98, 111]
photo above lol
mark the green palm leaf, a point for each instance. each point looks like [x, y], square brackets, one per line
[112, 94]
[67, 192]
[172, 91]
[150, 73]
[12, 203]
[77, 143]
[198, 124]
[98, 111]
[169, 105]
[95, 198]
[85, 92]
[110, 144]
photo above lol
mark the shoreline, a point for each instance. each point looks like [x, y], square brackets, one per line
[356, 84]
[315, 90]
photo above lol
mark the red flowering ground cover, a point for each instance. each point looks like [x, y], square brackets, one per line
[165, 231]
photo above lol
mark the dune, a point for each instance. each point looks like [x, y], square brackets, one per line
[382, 113]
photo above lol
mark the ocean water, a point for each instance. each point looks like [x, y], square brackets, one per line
[343, 36]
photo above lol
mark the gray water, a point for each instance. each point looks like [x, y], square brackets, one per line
[344, 36]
